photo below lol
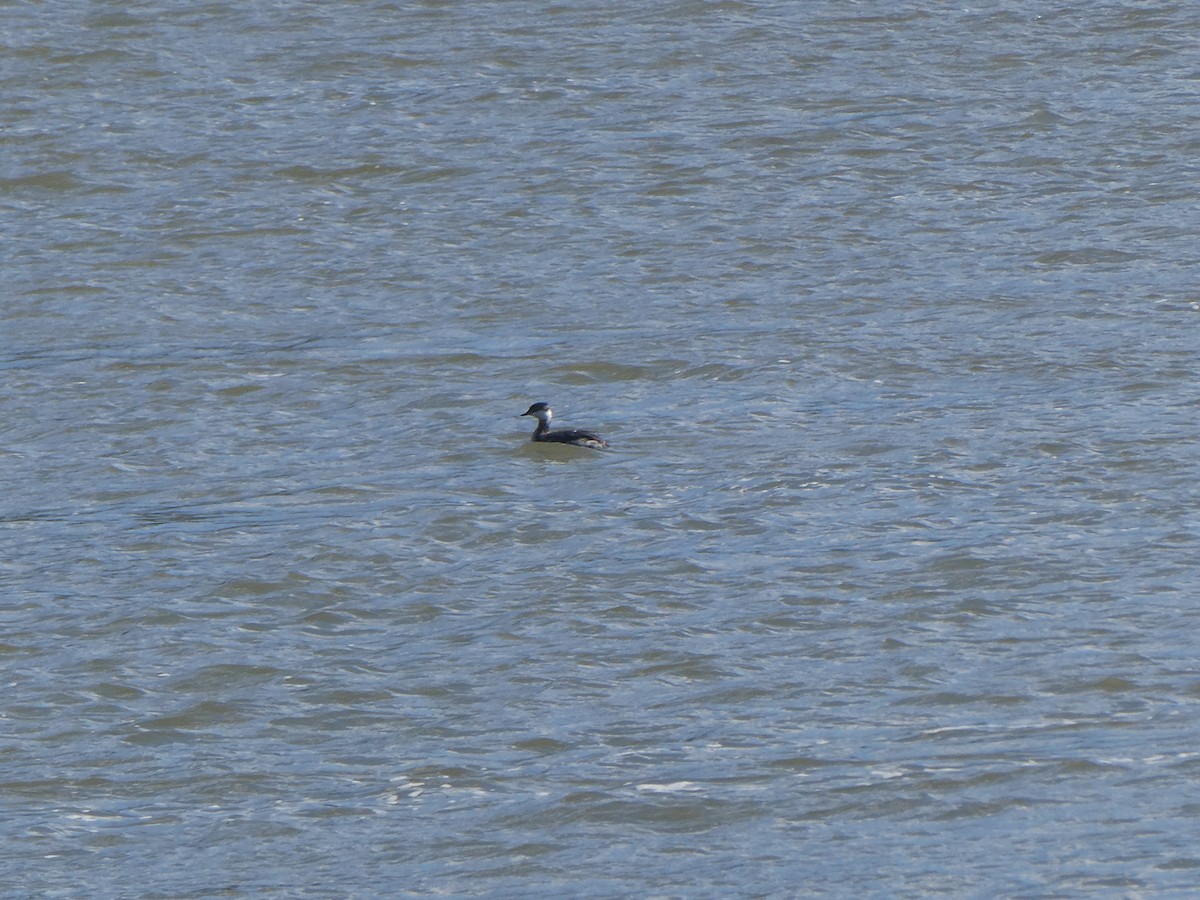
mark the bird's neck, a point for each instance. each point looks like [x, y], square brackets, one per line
[543, 425]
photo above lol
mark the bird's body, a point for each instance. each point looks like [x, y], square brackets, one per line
[542, 433]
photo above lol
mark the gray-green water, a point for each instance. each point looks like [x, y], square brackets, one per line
[887, 588]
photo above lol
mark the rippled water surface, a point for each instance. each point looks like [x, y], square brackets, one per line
[888, 586]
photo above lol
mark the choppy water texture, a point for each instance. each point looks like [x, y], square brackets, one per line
[888, 586]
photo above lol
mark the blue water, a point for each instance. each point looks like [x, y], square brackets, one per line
[885, 588]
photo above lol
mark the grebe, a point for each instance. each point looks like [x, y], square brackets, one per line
[543, 413]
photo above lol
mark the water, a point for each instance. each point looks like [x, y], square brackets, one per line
[886, 588]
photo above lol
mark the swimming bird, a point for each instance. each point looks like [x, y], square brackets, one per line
[543, 413]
